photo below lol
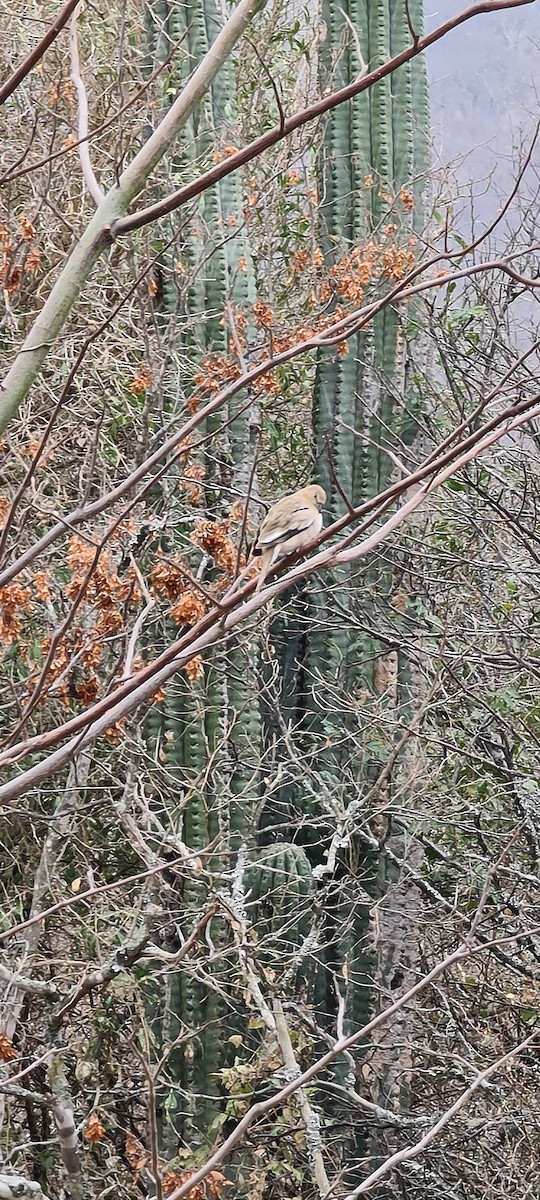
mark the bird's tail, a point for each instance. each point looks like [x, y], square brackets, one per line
[266, 563]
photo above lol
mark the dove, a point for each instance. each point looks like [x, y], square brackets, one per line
[290, 524]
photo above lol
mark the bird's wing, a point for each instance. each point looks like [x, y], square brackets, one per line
[282, 524]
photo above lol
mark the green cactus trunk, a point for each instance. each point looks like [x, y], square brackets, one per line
[216, 717]
[319, 650]
[373, 148]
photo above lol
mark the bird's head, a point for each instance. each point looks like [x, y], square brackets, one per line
[316, 495]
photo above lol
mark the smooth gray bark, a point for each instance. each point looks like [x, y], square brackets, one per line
[114, 205]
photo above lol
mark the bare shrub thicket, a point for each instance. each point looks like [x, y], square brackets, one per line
[184, 873]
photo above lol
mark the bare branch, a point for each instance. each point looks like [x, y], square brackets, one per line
[363, 67]
[411, 1152]
[65, 1125]
[239, 605]
[15, 1187]
[35, 987]
[97, 235]
[123, 958]
[318, 109]
[70, 901]
[274, 1019]
[333, 334]
[84, 152]
[12, 83]
[260, 1109]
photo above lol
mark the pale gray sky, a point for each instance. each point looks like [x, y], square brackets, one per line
[484, 96]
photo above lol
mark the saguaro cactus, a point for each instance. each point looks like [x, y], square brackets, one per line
[373, 170]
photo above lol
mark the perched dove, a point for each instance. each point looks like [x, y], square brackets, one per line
[289, 525]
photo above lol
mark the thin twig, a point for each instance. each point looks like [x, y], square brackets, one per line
[356, 38]
[210, 630]
[335, 333]
[278, 1098]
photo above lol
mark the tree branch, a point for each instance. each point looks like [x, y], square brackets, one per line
[37, 53]
[318, 109]
[260, 1109]
[410, 1152]
[241, 605]
[97, 235]
[122, 960]
[333, 334]
[84, 150]
[14, 1187]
